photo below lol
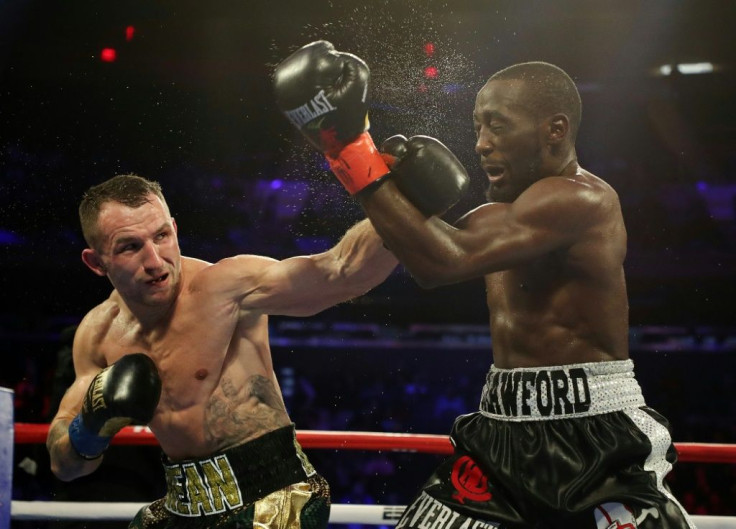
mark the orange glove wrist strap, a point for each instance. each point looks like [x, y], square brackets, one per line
[358, 164]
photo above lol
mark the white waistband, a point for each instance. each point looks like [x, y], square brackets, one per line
[560, 392]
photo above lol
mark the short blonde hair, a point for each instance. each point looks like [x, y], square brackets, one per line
[128, 189]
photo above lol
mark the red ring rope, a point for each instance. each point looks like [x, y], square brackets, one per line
[27, 433]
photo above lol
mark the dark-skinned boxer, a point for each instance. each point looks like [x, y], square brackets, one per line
[563, 438]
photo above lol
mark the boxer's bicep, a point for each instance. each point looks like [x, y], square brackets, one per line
[295, 286]
[88, 360]
[551, 215]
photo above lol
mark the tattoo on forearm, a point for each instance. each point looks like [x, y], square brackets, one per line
[56, 432]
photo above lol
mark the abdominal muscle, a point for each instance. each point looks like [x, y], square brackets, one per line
[211, 402]
[556, 326]
[235, 412]
[228, 418]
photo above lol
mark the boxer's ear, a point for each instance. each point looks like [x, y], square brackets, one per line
[558, 128]
[93, 260]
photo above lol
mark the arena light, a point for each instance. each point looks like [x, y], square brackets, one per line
[431, 72]
[695, 68]
[108, 55]
[687, 68]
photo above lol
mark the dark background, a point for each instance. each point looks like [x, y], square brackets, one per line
[188, 102]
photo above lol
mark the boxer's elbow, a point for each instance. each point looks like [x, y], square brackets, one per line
[426, 282]
[71, 470]
[433, 267]
[430, 281]
[62, 472]
[429, 275]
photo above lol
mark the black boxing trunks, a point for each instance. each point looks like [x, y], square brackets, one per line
[266, 482]
[570, 446]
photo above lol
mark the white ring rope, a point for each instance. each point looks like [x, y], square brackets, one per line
[344, 514]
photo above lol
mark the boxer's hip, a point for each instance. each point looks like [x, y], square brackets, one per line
[267, 481]
[560, 392]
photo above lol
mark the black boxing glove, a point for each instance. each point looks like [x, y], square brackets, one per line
[426, 172]
[124, 392]
[324, 93]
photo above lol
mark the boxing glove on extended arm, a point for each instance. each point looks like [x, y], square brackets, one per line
[124, 392]
[324, 94]
[426, 172]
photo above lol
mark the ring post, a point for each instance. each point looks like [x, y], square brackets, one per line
[6, 455]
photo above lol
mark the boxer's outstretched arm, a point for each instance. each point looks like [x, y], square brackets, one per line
[306, 285]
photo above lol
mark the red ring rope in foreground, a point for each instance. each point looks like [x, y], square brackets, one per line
[27, 433]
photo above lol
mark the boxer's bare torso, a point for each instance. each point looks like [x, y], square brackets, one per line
[569, 305]
[219, 388]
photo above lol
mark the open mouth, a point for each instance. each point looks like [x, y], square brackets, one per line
[495, 172]
[158, 280]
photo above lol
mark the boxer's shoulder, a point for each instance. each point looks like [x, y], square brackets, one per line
[235, 273]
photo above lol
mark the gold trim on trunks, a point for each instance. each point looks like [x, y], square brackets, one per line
[282, 509]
